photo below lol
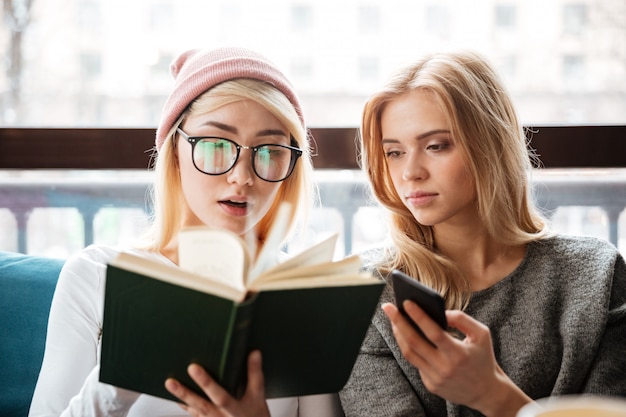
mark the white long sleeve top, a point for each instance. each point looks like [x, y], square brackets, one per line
[68, 381]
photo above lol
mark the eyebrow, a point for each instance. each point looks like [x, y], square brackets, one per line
[419, 137]
[233, 129]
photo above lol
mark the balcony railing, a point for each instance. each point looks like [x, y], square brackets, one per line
[344, 194]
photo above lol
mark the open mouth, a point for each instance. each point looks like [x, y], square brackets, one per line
[237, 204]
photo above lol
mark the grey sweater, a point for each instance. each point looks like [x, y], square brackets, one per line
[558, 324]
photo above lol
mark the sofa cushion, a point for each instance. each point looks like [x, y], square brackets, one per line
[27, 284]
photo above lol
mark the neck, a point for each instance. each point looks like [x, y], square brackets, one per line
[483, 260]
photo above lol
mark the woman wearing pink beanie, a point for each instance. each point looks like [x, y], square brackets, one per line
[231, 101]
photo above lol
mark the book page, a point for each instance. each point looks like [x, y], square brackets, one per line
[214, 253]
[271, 248]
[321, 252]
[363, 278]
[325, 271]
[175, 275]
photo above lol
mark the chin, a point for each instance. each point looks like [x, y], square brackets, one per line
[422, 220]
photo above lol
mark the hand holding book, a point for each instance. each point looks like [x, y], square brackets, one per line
[252, 403]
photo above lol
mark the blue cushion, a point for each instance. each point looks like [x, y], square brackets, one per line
[27, 284]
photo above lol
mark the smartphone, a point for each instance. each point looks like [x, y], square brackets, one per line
[407, 288]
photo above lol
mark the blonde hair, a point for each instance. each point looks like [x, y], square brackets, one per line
[167, 195]
[485, 126]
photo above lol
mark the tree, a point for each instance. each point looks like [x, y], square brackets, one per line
[16, 17]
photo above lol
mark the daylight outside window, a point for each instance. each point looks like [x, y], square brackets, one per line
[105, 63]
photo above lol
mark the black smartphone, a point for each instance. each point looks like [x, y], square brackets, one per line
[407, 288]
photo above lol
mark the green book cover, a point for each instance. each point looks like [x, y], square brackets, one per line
[153, 330]
[309, 335]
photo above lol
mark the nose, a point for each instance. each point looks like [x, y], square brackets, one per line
[242, 172]
[414, 168]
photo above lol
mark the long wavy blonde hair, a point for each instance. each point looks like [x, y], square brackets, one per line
[167, 196]
[485, 126]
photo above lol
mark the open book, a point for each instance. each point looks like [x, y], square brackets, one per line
[307, 315]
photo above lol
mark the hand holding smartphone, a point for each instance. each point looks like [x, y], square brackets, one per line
[407, 288]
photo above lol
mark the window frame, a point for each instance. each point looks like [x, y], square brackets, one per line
[562, 146]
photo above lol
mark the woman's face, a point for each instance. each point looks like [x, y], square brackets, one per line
[238, 199]
[427, 168]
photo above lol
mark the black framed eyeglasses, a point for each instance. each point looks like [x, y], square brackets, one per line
[213, 155]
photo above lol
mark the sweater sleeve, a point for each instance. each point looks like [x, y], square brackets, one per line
[68, 381]
[378, 385]
[608, 370]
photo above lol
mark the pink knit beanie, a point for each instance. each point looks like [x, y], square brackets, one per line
[195, 71]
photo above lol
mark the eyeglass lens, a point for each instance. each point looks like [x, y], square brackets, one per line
[217, 156]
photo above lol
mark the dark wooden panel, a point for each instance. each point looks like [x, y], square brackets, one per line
[334, 148]
[131, 148]
[67, 148]
[600, 146]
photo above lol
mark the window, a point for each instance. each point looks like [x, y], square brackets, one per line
[161, 16]
[328, 49]
[88, 15]
[505, 16]
[438, 20]
[574, 18]
[90, 65]
[83, 64]
[369, 19]
[161, 66]
[508, 68]
[368, 68]
[301, 18]
[573, 69]
[302, 67]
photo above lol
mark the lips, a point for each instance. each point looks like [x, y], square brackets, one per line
[236, 208]
[420, 198]
[235, 200]
[233, 203]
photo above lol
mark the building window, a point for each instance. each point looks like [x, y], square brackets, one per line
[574, 18]
[438, 20]
[508, 67]
[368, 19]
[161, 16]
[88, 15]
[301, 17]
[229, 14]
[505, 16]
[162, 64]
[302, 67]
[90, 65]
[368, 68]
[573, 70]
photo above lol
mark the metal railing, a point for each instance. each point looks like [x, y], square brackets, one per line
[345, 192]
